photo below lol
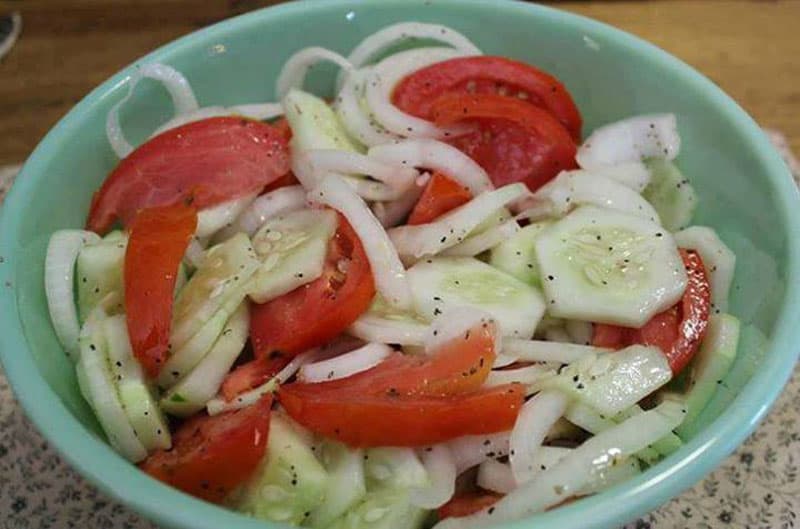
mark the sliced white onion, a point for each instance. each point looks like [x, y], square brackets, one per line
[631, 140]
[257, 111]
[496, 476]
[195, 253]
[437, 156]
[578, 469]
[59, 284]
[580, 332]
[388, 271]
[265, 207]
[392, 213]
[486, 240]
[180, 91]
[503, 360]
[374, 328]
[557, 335]
[535, 419]
[718, 259]
[552, 352]
[440, 466]
[213, 219]
[471, 450]
[345, 365]
[296, 67]
[381, 81]
[459, 320]
[635, 175]
[414, 242]
[355, 115]
[522, 375]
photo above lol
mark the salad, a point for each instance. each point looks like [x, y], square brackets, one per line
[427, 301]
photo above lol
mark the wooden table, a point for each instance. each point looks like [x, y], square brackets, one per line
[750, 48]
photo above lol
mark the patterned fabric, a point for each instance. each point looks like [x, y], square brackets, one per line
[755, 488]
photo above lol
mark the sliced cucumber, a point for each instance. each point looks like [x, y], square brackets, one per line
[314, 124]
[292, 248]
[718, 259]
[516, 256]
[605, 266]
[394, 468]
[346, 484]
[670, 193]
[193, 391]
[137, 397]
[613, 382]
[97, 386]
[439, 285]
[709, 366]
[98, 272]
[207, 301]
[289, 483]
[385, 324]
[383, 509]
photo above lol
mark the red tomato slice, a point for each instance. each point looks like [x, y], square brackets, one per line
[677, 331]
[515, 141]
[487, 75]
[210, 456]
[458, 366]
[441, 195]
[251, 375]
[467, 503]
[158, 239]
[315, 313]
[207, 162]
[385, 420]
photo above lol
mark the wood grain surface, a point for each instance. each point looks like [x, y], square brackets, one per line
[750, 48]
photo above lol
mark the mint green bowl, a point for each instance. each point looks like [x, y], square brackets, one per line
[746, 193]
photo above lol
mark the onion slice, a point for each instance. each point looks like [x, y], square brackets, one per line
[342, 366]
[440, 466]
[394, 212]
[213, 219]
[183, 99]
[458, 320]
[374, 328]
[535, 419]
[472, 450]
[631, 140]
[523, 375]
[267, 206]
[354, 114]
[388, 271]
[483, 241]
[257, 111]
[59, 284]
[552, 352]
[296, 67]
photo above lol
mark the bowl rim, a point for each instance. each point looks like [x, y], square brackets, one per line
[96, 461]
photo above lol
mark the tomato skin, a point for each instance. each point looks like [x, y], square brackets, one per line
[365, 420]
[416, 93]
[205, 162]
[515, 141]
[210, 456]
[158, 240]
[441, 195]
[316, 313]
[467, 503]
[679, 330]
[251, 375]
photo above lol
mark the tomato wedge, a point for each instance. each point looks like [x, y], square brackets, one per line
[458, 366]
[416, 93]
[386, 420]
[210, 456]
[158, 239]
[205, 162]
[677, 331]
[467, 503]
[441, 195]
[251, 375]
[315, 313]
[515, 141]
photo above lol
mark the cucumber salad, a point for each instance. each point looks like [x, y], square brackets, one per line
[423, 299]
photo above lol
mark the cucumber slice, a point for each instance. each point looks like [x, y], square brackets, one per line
[383, 509]
[516, 255]
[292, 248]
[670, 193]
[193, 391]
[439, 285]
[346, 484]
[207, 301]
[606, 266]
[135, 394]
[314, 124]
[394, 468]
[384, 324]
[97, 386]
[718, 259]
[289, 483]
[99, 272]
[709, 367]
[612, 382]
